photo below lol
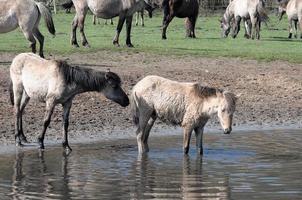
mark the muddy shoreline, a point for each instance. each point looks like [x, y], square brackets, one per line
[271, 94]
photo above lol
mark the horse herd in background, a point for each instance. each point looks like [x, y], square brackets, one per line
[189, 105]
[26, 14]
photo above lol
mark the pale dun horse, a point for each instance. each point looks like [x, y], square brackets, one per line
[105, 9]
[26, 14]
[56, 82]
[293, 9]
[189, 105]
[252, 12]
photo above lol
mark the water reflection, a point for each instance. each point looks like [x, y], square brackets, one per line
[245, 169]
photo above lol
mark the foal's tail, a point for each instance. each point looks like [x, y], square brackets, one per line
[67, 5]
[134, 108]
[46, 13]
[11, 92]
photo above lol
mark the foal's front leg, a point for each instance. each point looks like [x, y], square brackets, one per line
[50, 105]
[187, 137]
[66, 111]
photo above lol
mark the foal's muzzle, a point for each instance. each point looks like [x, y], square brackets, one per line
[125, 103]
[227, 130]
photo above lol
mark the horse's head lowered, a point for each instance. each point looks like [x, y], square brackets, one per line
[225, 26]
[226, 109]
[282, 8]
[113, 90]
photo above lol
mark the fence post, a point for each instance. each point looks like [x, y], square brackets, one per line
[54, 6]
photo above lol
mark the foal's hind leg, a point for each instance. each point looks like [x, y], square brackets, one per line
[18, 92]
[40, 38]
[199, 137]
[24, 101]
[147, 131]
[141, 131]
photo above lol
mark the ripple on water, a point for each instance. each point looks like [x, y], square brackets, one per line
[254, 165]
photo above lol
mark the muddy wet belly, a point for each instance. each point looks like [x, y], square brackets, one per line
[243, 165]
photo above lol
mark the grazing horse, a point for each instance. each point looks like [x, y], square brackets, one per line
[56, 82]
[26, 14]
[183, 9]
[105, 9]
[293, 9]
[252, 12]
[189, 105]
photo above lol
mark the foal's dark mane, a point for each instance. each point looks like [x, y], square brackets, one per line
[205, 91]
[89, 79]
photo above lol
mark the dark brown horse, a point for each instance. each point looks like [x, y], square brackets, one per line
[182, 9]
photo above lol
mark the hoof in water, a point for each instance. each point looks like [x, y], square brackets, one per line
[19, 144]
[24, 140]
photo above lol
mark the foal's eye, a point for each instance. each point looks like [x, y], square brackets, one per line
[223, 110]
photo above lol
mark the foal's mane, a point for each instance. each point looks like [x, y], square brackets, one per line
[89, 79]
[205, 91]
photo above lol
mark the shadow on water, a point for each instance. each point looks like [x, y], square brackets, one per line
[238, 166]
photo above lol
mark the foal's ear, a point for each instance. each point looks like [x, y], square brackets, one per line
[112, 77]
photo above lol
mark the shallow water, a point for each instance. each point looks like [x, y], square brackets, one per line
[243, 165]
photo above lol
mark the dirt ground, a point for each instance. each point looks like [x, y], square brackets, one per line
[271, 93]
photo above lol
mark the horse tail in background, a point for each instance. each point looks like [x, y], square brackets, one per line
[11, 92]
[67, 5]
[261, 11]
[134, 108]
[46, 13]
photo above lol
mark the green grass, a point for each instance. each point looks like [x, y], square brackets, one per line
[273, 45]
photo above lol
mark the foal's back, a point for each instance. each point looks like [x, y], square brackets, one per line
[35, 74]
[168, 98]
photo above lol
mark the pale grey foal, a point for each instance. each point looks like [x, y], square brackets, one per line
[189, 105]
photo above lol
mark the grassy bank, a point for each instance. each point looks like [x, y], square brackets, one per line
[273, 45]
